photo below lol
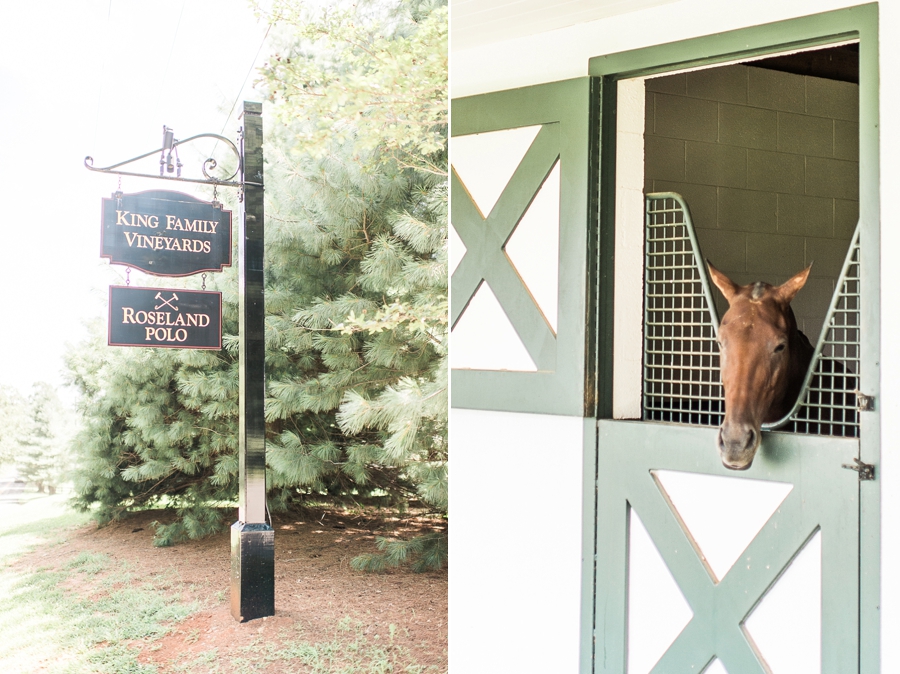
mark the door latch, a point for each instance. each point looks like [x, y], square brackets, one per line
[866, 470]
[864, 403]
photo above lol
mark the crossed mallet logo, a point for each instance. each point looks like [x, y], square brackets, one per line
[166, 302]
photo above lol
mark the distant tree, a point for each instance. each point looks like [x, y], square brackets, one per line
[43, 454]
[13, 414]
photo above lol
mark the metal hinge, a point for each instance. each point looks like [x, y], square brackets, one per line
[866, 470]
[864, 403]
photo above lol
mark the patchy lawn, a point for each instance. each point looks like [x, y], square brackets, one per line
[85, 600]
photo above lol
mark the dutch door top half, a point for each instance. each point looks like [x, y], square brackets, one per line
[166, 233]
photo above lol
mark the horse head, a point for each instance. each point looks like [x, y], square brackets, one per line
[763, 360]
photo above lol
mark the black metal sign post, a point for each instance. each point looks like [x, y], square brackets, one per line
[252, 539]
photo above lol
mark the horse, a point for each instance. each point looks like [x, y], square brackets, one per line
[763, 359]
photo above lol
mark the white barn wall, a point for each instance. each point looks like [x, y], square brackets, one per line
[515, 588]
[564, 54]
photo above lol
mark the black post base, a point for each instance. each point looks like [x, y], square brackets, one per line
[252, 571]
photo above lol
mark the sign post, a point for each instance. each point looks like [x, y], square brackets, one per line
[252, 539]
[175, 234]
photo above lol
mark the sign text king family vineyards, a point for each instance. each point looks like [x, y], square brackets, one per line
[166, 233]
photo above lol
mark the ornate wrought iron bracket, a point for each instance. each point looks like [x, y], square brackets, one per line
[169, 162]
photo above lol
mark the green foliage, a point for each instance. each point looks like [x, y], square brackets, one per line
[13, 420]
[427, 552]
[356, 300]
[49, 627]
[35, 434]
[375, 73]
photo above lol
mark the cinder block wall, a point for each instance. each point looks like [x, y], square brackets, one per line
[768, 163]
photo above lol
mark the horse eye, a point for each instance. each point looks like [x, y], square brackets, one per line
[779, 348]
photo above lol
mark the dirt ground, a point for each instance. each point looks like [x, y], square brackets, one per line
[315, 588]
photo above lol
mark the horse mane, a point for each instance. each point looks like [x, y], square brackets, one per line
[803, 350]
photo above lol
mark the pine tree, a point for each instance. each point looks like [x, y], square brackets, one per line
[42, 457]
[13, 415]
[356, 362]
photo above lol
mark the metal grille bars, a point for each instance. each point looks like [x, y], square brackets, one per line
[828, 405]
[681, 357]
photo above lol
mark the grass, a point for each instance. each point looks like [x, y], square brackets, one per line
[349, 652]
[79, 617]
[50, 627]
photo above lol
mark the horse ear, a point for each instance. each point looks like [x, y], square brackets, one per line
[788, 289]
[723, 283]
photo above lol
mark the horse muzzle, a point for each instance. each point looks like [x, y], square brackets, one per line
[737, 445]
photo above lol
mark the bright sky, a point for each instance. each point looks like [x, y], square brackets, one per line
[99, 78]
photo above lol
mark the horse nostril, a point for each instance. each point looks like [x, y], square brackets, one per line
[751, 438]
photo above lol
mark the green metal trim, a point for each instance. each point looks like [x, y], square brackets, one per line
[800, 33]
[604, 288]
[563, 109]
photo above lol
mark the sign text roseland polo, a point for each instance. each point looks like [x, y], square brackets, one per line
[163, 317]
[166, 233]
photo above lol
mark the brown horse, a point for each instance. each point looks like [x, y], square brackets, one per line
[763, 359]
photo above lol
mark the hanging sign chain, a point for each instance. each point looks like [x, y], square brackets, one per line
[128, 276]
[203, 277]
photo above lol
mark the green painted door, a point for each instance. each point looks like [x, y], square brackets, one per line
[821, 497]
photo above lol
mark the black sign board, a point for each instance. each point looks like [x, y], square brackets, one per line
[166, 233]
[160, 317]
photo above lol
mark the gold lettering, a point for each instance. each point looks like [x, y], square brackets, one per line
[204, 320]
[120, 218]
[149, 333]
[206, 246]
[213, 225]
[127, 315]
[192, 319]
[141, 220]
[153, 221]
[130, 237]
[169, 219]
